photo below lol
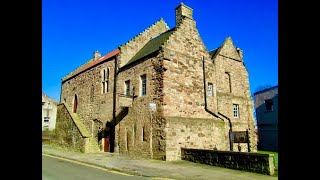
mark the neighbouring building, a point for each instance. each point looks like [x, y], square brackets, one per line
[158, 92]
[49, 112]
[266, 104]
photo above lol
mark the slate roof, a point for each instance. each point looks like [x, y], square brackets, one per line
[212, 53]
[152, 46]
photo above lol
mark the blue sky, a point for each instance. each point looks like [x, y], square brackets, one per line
[73, 29]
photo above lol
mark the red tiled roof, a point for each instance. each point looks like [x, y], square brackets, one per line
[92, 63]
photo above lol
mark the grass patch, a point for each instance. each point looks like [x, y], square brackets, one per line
[275, 157]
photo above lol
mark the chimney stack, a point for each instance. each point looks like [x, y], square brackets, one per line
[96, 55]
[181, 12]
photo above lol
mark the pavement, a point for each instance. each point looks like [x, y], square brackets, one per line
[156, 169]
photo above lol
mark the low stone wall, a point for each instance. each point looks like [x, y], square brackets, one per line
[252, 162]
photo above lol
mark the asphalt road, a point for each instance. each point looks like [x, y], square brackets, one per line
[63, 169]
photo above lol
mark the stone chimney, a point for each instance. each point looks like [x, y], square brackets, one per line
[96, 55]
[183, 11]
[240, 52]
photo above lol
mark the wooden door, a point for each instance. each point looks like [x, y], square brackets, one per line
[106, 144]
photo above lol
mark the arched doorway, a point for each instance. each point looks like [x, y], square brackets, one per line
[75, 104]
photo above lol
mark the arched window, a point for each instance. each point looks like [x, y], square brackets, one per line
[75, 104]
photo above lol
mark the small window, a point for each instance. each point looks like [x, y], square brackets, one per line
[143, 80]
[210, 89]
[144, 138]
[46, 119]
[236, 110]
[127, 87]
[228, 81]
[105, 81]
[269, 104]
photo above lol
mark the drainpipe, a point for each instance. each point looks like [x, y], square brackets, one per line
[205, 92]
[206, 107]
[114, 104]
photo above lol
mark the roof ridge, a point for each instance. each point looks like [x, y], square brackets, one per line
[93, 63]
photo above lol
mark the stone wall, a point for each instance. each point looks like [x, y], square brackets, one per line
[233, 88]
[141, 132]
[252, 162]
[183, 80]
[92, 102]
[193, 133]
[66, 133]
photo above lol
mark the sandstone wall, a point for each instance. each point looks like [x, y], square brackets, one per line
[183, 80]
[252, 162]
[140, 120]
[233, 88]
[91, 106]
[193, 133]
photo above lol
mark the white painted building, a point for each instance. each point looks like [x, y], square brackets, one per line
[49, 112]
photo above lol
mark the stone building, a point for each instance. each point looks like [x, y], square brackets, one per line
[266, 105]
[49, 112]
[158, 92]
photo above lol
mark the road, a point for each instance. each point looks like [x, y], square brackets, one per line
[54, 168]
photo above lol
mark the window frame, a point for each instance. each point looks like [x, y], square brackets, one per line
[266, 104]
[143, 85]
[210, 91]
[127, 88]
[105, 80]
[236, 110]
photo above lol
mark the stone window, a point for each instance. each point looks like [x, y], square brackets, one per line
[105, 81]
[228, 81]
[210, 89]
[144, 138]
[75, 103]
[236, 110]
[108, 74]
[46, 121]
[127, 87]
[143, 85]
[269, 104]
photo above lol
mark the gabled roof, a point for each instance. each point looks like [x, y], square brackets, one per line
[91, 63]
[56, 102]
[152, 46]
